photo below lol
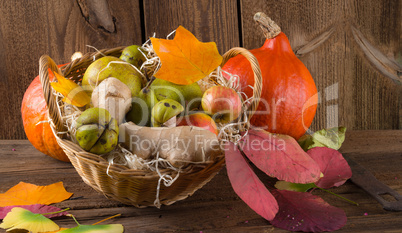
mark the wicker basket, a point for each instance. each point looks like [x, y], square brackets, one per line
[117, 182]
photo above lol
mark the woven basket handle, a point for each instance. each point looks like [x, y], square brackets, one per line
[257, 75]
[46, 63]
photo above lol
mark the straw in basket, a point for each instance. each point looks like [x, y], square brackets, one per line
[140, 188]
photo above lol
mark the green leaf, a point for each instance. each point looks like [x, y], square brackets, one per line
[284, 185]
[110, 228]
[331, 138]
[20, 218]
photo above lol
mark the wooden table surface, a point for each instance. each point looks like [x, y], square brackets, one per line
[215, 207]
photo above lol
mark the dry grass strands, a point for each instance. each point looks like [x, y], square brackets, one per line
[120, 174]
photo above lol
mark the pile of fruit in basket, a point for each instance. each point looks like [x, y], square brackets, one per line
[137, 104]
[127, 103]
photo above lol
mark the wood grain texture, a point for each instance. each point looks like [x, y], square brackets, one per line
[29, 29]
[215, 207]
[355, 89]
[353, 77]
[208, 20]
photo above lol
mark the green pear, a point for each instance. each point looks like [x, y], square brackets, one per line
[188, 95]
[101, 69]
[141, 107]
[134, 55]
[96, 131]
[164, 110]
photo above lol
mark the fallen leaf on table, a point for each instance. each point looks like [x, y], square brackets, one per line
[37, 209]
[331, 138]
[72, 92]
[185, 59]
[335, 168]
[284, 185]
[280, 156]
[94, 228]
[28, 194]
[247, 185]
[110, 228]
[20, 218]
[300, 211]
[61, 229]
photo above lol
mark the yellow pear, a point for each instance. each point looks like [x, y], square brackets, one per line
[109, 66]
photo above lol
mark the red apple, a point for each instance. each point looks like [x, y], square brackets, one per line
[201, 120]
[222, 103]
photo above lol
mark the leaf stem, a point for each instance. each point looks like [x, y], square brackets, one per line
[75, 220]
[344, 198]
[56, 212]
[151, 80]
[114, 216]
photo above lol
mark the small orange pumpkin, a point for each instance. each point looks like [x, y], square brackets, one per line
[35, 119]
[289, 95]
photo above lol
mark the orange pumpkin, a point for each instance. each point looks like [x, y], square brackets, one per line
[289, 95]
[35, 117]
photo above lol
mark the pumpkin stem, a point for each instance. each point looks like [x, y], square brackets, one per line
[268, 26]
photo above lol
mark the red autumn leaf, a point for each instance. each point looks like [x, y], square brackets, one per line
[280, 156]
[36, 209]
[332, 164]
[305, 212]
[247, 185]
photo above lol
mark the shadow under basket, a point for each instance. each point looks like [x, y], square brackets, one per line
[140, 188]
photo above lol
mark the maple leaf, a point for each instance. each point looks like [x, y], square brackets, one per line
[72, 92]
[28, 194]
[185, 59]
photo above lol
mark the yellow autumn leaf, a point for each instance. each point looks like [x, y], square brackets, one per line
[72, 92]
[20, 218]
[61, 229]
[28, 194]
[185, 59]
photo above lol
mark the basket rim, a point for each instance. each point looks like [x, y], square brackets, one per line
[97, 172]
[121, 169]
[70, 70]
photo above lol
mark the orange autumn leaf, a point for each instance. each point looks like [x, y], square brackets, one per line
[72, 92]
[185, 59]
[28, 194]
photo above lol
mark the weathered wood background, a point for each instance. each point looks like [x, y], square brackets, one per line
[351, 47]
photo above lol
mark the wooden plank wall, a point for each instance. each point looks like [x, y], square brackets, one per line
[351, 47]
